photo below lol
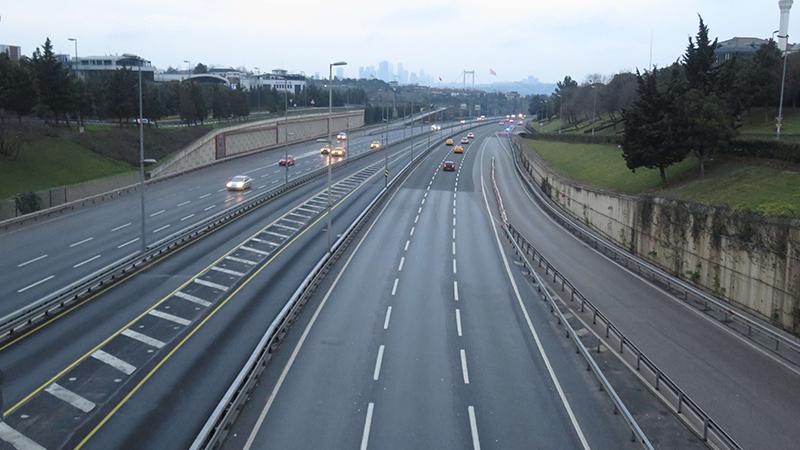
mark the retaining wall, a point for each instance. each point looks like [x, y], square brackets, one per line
[748, 260]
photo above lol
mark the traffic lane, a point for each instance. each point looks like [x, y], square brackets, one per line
[516, 382]
[26, 368]
[219, 350]
[80, 254]
[24, 249]
[725, 376]
[336, 405]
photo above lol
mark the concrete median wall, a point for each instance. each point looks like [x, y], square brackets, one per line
[748, 260]
[255, 136]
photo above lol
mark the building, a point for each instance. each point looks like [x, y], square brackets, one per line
[91, 66]
[279, 79]
[14, 52]
[385, 71]
[738, 46]
[340, 73]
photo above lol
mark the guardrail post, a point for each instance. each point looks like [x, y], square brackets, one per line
[680, 402]
[608, 326]
[705, 429]
[658, 379]
[638, 361]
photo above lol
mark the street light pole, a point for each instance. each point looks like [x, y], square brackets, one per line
[75, 41]
[141, 157]
[779, 123]
[594, 108]
[330, 140]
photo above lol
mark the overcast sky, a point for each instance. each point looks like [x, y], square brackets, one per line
[515, 38]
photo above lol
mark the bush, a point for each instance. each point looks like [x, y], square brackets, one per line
[770, 149]
[27, 202]
[575, 138]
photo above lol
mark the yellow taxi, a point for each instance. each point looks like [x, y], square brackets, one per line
[458, 149]
[337, 152]
[375, 145]
[449, 141]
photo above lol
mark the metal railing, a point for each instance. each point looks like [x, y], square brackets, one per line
[17, 322]
[619, 406]
[670, 393]
[787, 347]
[227, 410]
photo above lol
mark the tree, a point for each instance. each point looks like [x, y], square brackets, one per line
[200, 68]
[52, 83]
[220, 103]
[618, 94]
[200, 104]
[121, 95]
[699, 62]
[186, 106]
[82, 100]
[703, 125]
[649, 129]
[17, 89]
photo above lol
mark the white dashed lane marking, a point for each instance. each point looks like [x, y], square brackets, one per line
[121, 227]
[86, 261]
[34, 284]
[23, 264]
[388, 317]
[458, 321]
[75, 244]
[394, 288]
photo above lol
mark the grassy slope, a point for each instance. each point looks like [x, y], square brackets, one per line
[762, 121]
[737, 183]
[51, 161]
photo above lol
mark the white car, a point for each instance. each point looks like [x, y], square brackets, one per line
[436, 127]
[341, 136]
[239, 183]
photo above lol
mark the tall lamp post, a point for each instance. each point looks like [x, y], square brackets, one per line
[594, 108]
[75, 41]
[330, 140]
[783, 43]
[140, 61]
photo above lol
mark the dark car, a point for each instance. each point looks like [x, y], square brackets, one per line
[288, 161]
[449, 166]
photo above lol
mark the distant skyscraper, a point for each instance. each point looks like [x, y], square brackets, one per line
[384, 71]
[340, 73]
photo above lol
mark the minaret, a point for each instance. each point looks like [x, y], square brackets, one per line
[785, 6]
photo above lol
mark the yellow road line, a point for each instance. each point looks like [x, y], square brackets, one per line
[159, 302]
[202, 322]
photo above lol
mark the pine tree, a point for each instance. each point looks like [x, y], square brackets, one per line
[52, 83]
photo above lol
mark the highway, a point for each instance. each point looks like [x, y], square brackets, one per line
[746, 389]
[159, 349]
[43, 257]
[429, 337]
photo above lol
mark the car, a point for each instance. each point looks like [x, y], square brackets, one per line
[375, 145]
[458, 149]
[288, 161]
[239, 183]
[341, 136]
[338, 152]
[449, 166]
[519, 122]
[470, 135]
[449, 141]
[465, 140]
[436, 127]
[325, 149]
[463, 121]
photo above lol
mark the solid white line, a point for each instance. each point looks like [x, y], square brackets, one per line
[86, 261]
[367, 426]
[128, 243]
[187, 217]
[405, 249]
[377, 372]
[75, 244]
[412, 231]
[32, 260]
[161, 228]
[121, 227]
[227, 271]
[473, 425]
[70, 397]
[402, 261]
[464, 366]
[184, 203]
[254, 250]
[241, 260]
[209, 208]
[388, 316]
[211, 284]
[114, 362]
[394, 288]
[455, 290]
[170, 317]
[158, 213]
[458, 321]
[205, 195]
[576, 426]
[16, 439]
[192, 298]
[454, 266]
[153, 342]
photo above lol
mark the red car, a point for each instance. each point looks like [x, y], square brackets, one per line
[449, 166]
[288, 161]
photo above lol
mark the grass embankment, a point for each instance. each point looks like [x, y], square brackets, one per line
[760, 186]
[603, 126]
[56, 156]
[49, 162]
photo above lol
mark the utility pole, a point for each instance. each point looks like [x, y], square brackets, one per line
[330, 161]
[783, 43]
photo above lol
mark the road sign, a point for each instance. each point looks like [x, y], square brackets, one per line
[386, 173]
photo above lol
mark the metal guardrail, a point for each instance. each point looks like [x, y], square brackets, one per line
[672, 395]
[591, 364]
[15, 323]
[227, 410]
[787, 347]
